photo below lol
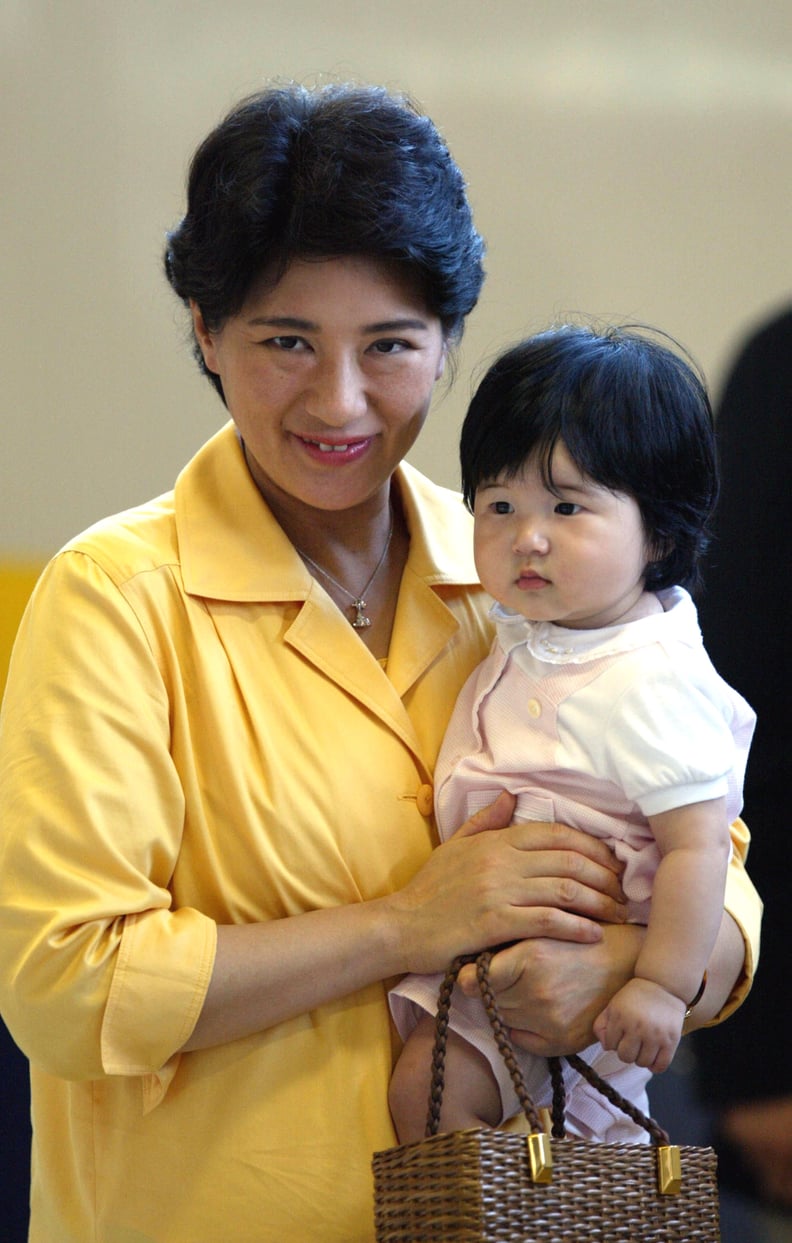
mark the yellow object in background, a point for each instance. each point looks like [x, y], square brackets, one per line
[17, 580]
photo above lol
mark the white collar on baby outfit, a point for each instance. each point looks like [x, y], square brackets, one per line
[560, 645]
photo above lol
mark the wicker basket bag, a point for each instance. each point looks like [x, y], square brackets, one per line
[483, 1184]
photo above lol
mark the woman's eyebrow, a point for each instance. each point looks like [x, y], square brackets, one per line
[283, 321]
[396, 325]
[308, 325]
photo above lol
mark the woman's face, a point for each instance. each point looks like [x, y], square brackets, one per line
[328, 376]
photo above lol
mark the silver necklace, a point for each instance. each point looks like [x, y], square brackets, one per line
[360, 621]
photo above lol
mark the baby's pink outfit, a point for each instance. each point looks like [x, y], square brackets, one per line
[595, 729]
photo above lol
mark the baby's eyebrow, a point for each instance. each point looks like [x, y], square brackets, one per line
[559, 485]
[578, 484]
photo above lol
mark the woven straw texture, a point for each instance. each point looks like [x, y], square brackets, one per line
[466, 1186]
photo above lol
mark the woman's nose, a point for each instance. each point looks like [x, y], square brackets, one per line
[337, 395]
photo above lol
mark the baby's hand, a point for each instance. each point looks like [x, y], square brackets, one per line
[642, 1024]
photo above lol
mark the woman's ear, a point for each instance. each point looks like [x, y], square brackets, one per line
[206, 340]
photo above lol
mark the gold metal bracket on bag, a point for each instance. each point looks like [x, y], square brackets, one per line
[669, 1170]
[541, 1157]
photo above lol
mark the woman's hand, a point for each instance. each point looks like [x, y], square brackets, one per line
[481, 888]
[484, 887]
[549, 992]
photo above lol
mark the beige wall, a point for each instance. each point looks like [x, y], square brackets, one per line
[629, 158]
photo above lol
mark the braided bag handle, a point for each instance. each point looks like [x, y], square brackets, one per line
[658, 1136]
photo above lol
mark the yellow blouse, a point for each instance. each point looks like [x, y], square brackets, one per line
[193, 735]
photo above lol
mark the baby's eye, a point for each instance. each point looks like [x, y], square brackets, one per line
[502, 507]
[567, 508]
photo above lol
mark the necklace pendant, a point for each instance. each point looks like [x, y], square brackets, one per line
[360, 621]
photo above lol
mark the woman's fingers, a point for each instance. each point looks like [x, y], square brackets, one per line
[570, 874]
[546, 849]
[583, 865]
[493, 882]
[550, 992]
[538, 835]
[557, 877]
[506, 869]
[496, 816]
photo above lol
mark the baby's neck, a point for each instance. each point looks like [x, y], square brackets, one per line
[646, 605]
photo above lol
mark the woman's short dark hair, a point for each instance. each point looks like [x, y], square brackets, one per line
[293, 173]
[633, 415]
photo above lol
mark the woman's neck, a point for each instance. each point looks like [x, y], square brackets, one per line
[326, 532]
[356, 553]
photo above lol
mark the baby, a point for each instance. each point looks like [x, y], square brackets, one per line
[588, 460]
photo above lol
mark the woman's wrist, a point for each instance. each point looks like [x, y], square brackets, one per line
[691, 1005]
[552, 991]
[725, 970]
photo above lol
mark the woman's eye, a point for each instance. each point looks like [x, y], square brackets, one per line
[290, 344]
[390, 347]
[566, 508]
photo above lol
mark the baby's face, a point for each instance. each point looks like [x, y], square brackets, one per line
[575, 555]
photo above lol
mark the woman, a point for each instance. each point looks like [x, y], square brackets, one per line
[218, 840]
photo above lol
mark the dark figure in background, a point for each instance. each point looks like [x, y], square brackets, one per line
[745, 612]
[14, 1141]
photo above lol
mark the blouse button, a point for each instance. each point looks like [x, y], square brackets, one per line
[534, 707]
[425, 800]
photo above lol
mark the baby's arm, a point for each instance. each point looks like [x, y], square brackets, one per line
[643, 1022]
[470, 1097]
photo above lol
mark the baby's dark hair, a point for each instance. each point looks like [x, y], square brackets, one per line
[293, 173]
[634, 416]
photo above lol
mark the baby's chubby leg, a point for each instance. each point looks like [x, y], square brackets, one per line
[470, 1097]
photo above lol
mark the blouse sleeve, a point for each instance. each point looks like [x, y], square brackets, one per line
[98, 973]
[745, 907]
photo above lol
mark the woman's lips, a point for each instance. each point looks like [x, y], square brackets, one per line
[335, 453]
